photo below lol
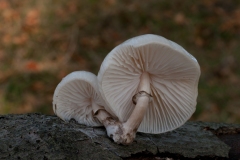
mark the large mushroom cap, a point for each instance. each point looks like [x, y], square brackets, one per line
[174, 75]
[73, 98]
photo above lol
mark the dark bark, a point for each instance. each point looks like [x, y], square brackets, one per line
[36, 136]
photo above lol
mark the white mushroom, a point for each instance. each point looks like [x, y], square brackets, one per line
[159, 76]
[77, 97]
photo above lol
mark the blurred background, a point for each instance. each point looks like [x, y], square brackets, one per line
[43, 41]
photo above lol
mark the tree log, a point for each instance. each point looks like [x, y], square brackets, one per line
[37, 136]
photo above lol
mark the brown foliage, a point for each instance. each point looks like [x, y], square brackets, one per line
[43, 41]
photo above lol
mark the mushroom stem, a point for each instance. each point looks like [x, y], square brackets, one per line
[112, 126]
[131, 125]
[144, 82]
[125, 133]
[100, 112]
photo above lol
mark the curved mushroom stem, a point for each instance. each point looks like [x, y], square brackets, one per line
[130, 127]
[112, 126]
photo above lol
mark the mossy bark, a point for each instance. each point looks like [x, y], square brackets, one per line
[37, 136]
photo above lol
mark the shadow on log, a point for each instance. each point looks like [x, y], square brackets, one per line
[36, 136]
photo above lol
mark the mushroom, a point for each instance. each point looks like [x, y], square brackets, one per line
[77, 97]
[157, 75]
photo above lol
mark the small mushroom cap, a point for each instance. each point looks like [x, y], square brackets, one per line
[73, 98]
[174, 75]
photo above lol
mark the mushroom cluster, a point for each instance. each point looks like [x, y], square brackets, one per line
[147, 84]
